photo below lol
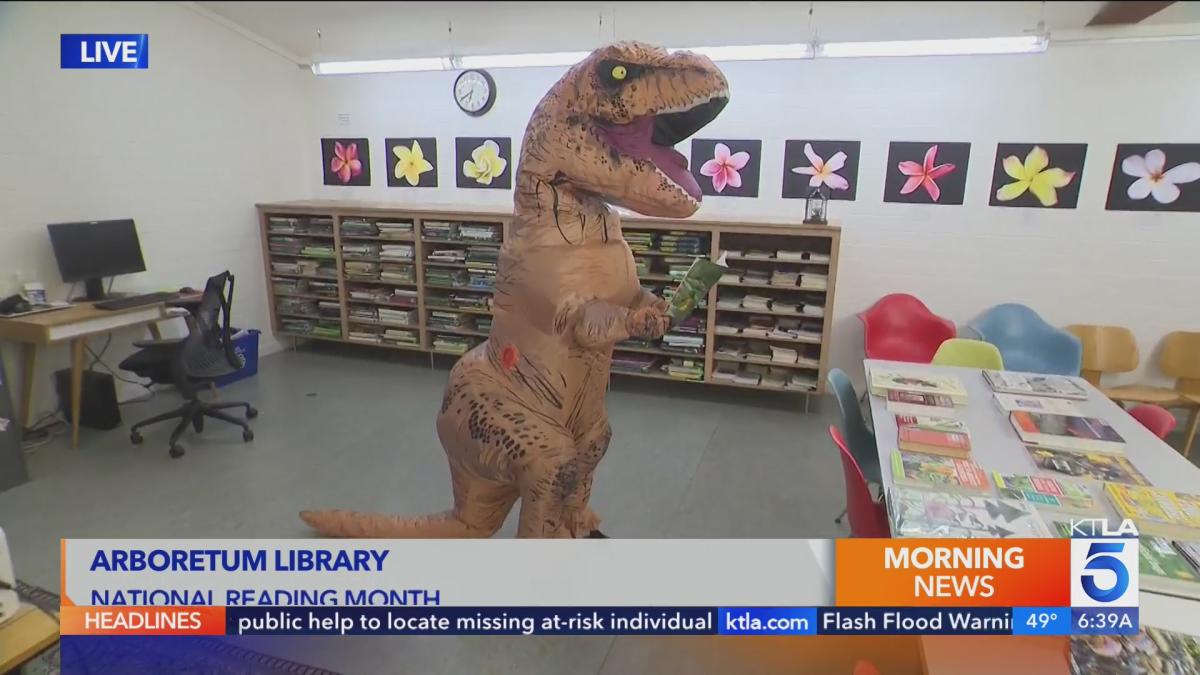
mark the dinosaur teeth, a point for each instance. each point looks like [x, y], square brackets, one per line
[724, 93]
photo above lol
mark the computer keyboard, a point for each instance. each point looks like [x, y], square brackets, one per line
[135, 300]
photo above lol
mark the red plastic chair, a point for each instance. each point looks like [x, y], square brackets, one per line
[868, 518]
[1157, 419]
[899, 327]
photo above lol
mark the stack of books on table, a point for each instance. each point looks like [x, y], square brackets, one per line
[481, 232]
[1029, 384]
[1092, 466]
[1045, 492]
[398, 274]
[399, 317]
[437, 229]
[396, 252]
[691, 243]
[448, 255]
[441, 276]
[453, 344]
[399, 229]
[943, 515]
[802, 256]
[402, 297]
[283, 225]
[938, 472]
[314, 249]
[285, 245]
[626, 362]
[686, 369]
[366, 313]
[1156, 511]
[933, 435]
[360, 333]
[360, 250]
[483, 257]
[1165, 565]
[353, 227]
[884, 380]
[1152, 651]
[450, 321]
[358, 269]
[640, 241]
[400, 336]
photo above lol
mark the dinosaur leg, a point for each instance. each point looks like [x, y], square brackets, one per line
[591, 448]
[547, 478]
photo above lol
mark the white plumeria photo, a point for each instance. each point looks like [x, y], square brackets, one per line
[1153, 179]
[822, 171]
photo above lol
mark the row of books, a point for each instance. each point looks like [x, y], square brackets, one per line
[361, 270]
[777, 279]
[451, 231]
[456, 256]
[311, 225]
[309, 268]
[757, 375]
[288, 285]
[396, 252]
[384, 229]
[311, 327]
[781, 254]
[767, 328]
[761, 352]
[674, 241]
[762, 303]
[457, 300]
[451, 320]
[452, 344]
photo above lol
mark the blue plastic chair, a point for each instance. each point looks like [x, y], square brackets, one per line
[853, 426]
[1027, 342]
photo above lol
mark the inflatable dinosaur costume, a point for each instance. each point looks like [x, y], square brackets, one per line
[523, 415]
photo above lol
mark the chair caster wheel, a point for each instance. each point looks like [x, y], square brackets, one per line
[251, 413]
[135, 438]
[198, 424]
[247, 435]
[176, 451]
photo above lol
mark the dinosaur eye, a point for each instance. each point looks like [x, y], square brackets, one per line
[619, 72]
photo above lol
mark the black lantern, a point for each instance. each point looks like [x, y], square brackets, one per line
[815, 207]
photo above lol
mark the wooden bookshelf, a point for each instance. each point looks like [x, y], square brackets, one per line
[701, 238]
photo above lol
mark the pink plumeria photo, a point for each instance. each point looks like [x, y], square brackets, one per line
[924, 175]
[724, 167]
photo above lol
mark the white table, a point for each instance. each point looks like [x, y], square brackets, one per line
[996, 447]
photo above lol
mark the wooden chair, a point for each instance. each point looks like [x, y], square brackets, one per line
[1180, 359]
[1106, 349]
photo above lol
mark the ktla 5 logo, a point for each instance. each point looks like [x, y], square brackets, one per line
[1104, 572]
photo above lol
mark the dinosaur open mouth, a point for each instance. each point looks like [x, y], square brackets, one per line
[653, 137]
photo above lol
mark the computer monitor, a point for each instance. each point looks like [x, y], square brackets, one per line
[93, 250]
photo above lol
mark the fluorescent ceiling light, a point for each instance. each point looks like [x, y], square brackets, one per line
[995, 45]
[753, 52]
[380, 66]
[522, 60]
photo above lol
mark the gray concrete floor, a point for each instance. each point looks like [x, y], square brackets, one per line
[353, 428]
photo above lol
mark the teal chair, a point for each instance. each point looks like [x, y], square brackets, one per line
[968, 354]
[854, 428]
[1027, 342]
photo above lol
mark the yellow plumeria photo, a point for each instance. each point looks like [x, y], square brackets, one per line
[1031, 181]
[486, 165]
[410, 162]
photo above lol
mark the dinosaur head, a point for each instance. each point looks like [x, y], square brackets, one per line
[608, 127]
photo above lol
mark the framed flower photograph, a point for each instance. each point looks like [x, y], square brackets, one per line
[926, 172]
[1155, 177]
[829, 165]
[726, 168]
[412, 162]
[346, 161]
[1037, 175]
[483, 162]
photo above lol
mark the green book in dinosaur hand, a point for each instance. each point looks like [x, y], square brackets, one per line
[695, 285]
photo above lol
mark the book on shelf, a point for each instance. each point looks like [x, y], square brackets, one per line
[1089, 465]
[937, 472]
[1046, 492]
[884, 380]
[1157, 511]
[1036, 404]
[913, 403]
[1066, 432]
[1055, 386]
[943, 515]
[1152, 651]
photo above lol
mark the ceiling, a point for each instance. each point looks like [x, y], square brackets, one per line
[367, 30]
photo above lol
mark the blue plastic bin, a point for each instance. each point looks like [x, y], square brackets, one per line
[246, 347]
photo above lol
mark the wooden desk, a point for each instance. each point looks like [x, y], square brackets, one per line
[73, 325]
[25, 636]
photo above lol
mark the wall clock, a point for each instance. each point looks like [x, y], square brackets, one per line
[475, 92]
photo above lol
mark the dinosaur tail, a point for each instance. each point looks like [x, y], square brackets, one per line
[338, 523]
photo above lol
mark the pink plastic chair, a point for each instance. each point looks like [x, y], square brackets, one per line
[1157, 419]
[899, 327]
[868, 518]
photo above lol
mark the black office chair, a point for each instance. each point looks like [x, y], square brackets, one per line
[192, 363]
